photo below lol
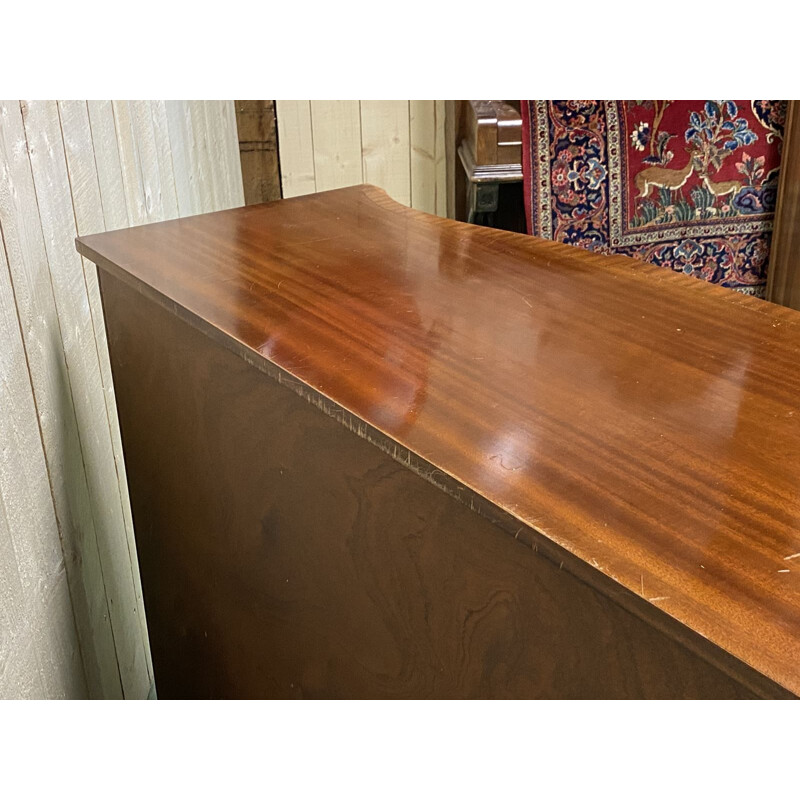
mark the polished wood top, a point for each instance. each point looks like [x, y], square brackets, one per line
[646, 422]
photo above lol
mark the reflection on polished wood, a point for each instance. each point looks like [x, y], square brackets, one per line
[629, 437]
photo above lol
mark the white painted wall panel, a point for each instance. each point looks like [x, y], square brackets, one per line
[296, 147]
[385, 147]
[39, 654]
[336, 130]
[72, 621]
[398, 145]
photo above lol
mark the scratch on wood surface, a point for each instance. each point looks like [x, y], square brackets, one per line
[794, 555]
[527, 303]
[784, 570]
[656, 599]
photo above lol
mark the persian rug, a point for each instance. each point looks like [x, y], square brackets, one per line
[689, 185]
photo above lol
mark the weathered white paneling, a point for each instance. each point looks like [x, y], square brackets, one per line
[169, 196]
[205, 155]
[77, 130]
[296, 146]
[75, 168]
[204, 140]
[27, 260]
[398, 145]
[423, 155]
[138, 194]
[201, 149]
[336, 128]
[39, 652]
[226, 165]
[48, 164]
[183, 161]
[385, 147]
[107, 163]
[443, 131]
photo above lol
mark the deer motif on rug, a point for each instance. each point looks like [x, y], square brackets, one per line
[661, 177]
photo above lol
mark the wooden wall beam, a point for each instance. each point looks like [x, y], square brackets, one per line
[783, 278]
[258, 150]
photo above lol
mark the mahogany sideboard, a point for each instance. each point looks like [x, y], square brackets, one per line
[374, 453]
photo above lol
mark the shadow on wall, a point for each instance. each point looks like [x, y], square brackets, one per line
[73, 476]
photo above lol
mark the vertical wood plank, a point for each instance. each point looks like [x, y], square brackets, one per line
[205, 155]
[220, 148]
[223, 114]
[48, 165]
[215, 180]
[107, 163]
[79, 152]
[402, 146]
[385, 147]
[89, 218]
[38, 638]
[41, 332]
[147, 160]
[336, 128]
[136, 197]
[423, 154]
[178, 126]
[258, 150]
[296, 147]
[207, 196]
[166, 173]
[68, 168]
[445, 193]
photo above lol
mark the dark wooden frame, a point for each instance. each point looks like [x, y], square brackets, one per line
[258, 150]
[783, 279]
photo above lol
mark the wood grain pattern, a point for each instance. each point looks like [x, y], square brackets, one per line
[219, 120]
[640, 424]
[258, 150]
[385, 147]
[39, 654]
[191, 174]
[87, 207]
[107, 164]
[95, 446]
[138, 188]
[336, 131]
[423, 140]
[31, 289]
[445, 147]
[296, 147]
[205, 156]
[284, 557]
